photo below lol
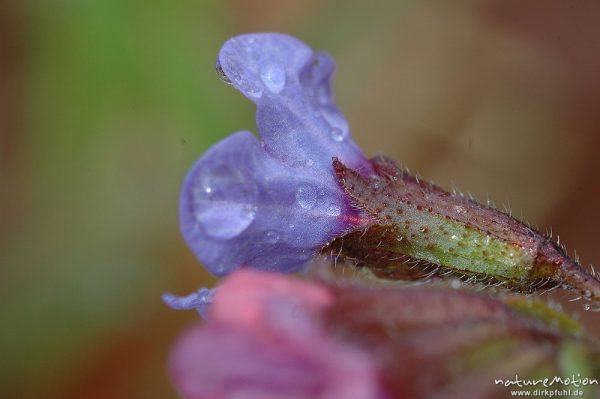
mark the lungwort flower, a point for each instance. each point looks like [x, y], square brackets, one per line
[304, 187]
[272, 203]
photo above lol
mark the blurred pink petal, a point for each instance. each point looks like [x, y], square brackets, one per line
[277, 336]
[263, 341]
[273, 301]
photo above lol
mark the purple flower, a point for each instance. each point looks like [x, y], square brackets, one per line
[271, 204]
[199, 300]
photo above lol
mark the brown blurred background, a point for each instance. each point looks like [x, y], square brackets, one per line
[104, 105]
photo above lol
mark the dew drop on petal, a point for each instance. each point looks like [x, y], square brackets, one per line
[252, 90]
[337, 134]
[334, 118]
[234, 71]
[203, 191]
[334, 210]
[226, 219]
[271, 237]
[306, 197]
[456, 284]
[273, 76]
[246, 84]
[224, 206]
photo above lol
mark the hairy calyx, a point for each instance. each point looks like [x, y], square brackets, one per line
[419, 230]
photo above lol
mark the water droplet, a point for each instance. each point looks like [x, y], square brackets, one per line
[273, 76]
[304, 254]
[306, 197]
[587, 306]
[334, 210]
[252, 89]
[224, 205]
[337, 134]
[246, 85]
[456, 284]
[234, 70]
[310, 162]
[203, 191]
[454, 237]
[334, 118]
[271, 237]
[226, 219]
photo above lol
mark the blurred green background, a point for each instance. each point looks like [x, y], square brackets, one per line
[105, 104]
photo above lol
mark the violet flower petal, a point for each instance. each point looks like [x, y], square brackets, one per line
[241, 207]
[291, 86]
[272, 204]
[199, 300]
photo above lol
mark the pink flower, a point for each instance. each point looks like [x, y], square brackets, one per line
[272, 336]
[264, 340]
